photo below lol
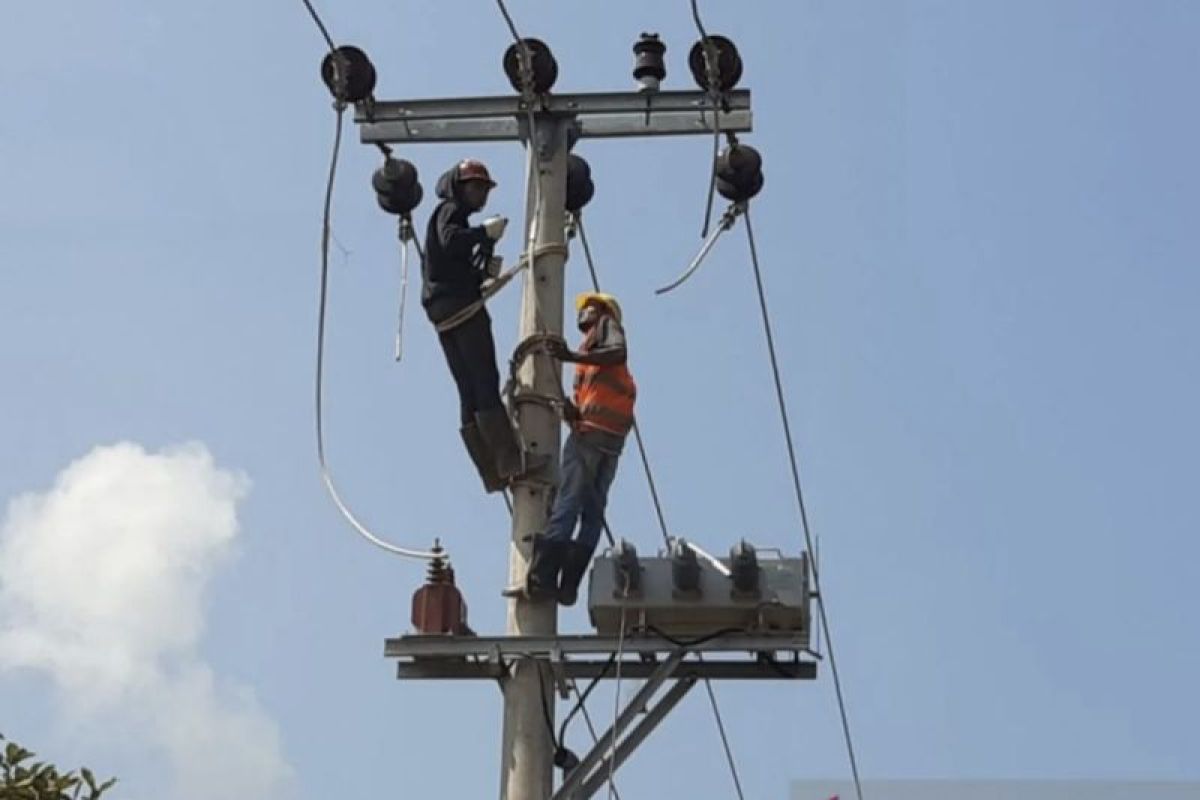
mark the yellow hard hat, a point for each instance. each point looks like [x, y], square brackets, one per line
[600, 297]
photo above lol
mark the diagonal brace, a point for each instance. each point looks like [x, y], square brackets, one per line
[639, 703]
[643, 729]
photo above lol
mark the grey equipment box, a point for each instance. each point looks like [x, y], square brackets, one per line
[779, 603]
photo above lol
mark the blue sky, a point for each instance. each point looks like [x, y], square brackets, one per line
[979, 238]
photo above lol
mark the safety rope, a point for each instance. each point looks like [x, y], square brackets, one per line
[793, 461]
[486, 293]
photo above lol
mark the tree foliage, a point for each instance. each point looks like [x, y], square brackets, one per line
[23, 778]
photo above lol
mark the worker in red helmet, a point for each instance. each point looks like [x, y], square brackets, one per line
[457, 257]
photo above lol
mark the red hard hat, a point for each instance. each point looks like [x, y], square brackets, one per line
[471, 169]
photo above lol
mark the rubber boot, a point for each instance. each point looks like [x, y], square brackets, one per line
[481, 457]
[541, 582]
[510, 461]
[575, 565]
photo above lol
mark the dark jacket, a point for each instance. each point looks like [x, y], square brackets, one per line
[449, 275]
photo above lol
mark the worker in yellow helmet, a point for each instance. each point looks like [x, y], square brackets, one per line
[600, 416]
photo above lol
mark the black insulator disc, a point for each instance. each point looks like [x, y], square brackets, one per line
[729, 64]
[397, 186]
[349, 74]
[740, 192]
[394, 172]
[545, 68]
[741, 159]
[402, 201]
[579, 194]
[578, 167]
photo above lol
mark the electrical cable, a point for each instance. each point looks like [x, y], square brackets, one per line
[525, 60]
[714, 96]
[587, 718]
[403, 299]
[580, 703]
[612, 742]
[545, 691]
[727, 221]
[509, 20]
[326, 476]
[320, 25]
[799, 492]
[689, 643]
[712, 699]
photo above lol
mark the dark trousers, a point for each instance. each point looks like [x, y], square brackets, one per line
[471, 353]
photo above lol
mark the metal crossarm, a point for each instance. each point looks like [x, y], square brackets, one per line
[741, 656]
[597, 115]
[542, 646]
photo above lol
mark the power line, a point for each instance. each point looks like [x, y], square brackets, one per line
[712, 698]
[612, 746]
[320, 25]
[713, 94]
[509, 20]
[794, 463]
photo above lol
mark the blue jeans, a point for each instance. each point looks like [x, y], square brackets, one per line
[586, 475]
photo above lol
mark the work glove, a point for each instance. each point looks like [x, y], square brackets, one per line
[494, 227]
[557, 348]
[492, 266]
[570, 412]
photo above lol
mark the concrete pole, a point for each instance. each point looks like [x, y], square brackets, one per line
[527, 757]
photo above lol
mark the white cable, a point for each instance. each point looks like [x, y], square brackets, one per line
[612, 743]
[403, 298]
[326, 477]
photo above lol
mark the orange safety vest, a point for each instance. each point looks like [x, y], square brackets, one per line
[604, 395]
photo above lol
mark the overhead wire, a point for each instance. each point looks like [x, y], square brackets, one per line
[712, 699]
[793, 461]
[713, 94]
[512, 27]
[320, 25]
[326, 235]
[612, 742]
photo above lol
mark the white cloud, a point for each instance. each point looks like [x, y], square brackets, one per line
[102, 583]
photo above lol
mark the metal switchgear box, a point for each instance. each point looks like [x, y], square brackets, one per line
[780, 602]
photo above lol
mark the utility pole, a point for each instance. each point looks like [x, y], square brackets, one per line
[531, 659]
[527, 755]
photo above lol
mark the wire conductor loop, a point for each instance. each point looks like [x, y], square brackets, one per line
[727, 221]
